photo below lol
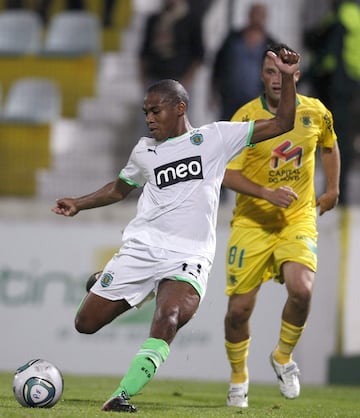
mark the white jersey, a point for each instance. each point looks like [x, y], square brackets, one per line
[182, 176]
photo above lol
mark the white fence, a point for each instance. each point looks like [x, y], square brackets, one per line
[44, 263]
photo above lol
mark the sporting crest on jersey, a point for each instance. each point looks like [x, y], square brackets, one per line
[306, 121]
[196, 139]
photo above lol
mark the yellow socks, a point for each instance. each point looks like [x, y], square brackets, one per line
[237, 354]
[289, 336]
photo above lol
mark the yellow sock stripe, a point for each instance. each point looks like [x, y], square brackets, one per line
[290, 333]
[241, 346]
[237, 355]
[289, 336]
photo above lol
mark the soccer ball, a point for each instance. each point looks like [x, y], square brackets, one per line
[38, 384]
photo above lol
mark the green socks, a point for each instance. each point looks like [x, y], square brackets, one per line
[143, 367]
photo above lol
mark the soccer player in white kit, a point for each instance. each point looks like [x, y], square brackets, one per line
[168, 248]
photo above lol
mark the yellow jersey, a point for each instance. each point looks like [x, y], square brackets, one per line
[288, 159]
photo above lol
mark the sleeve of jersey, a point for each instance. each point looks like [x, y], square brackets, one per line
[241, 115]
[132, 173]
[328, 137]
[236, 136]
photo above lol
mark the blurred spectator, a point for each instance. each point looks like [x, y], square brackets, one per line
[199, 8]
[109, 7]
[14, 4]
[236, 75]
[172, 46]
[311, 16]
[334, 73]
[43, 7]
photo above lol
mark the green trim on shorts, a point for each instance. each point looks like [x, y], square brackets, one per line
[193, 283]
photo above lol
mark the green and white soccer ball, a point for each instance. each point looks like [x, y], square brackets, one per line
[38, 384]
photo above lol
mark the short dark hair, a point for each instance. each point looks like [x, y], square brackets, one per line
[276, 48]
[172, 90]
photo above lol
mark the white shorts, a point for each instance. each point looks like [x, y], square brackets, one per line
[135, 272]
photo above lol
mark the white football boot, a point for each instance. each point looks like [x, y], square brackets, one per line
[288, 378]
[238, 395]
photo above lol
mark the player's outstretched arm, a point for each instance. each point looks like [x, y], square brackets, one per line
[288, 64]
[110, 193]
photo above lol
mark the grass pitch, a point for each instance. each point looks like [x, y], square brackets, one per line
[84, 396]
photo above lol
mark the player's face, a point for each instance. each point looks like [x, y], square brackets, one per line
[271, 77]
[162, 116]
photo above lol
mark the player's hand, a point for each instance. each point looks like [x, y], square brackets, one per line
[287, 62]
[327, 201]
[282, 196]
[66, 207]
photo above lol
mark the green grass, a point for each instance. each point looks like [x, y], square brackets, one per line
[83, 397]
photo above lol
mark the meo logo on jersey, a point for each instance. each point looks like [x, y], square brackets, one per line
[178, 171]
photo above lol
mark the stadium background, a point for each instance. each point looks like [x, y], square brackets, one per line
[45, 260]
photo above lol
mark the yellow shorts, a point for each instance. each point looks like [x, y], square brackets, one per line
[256, 254]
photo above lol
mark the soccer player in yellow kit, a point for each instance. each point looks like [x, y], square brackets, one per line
[273, 229]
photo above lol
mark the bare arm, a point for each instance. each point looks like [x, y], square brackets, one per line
[330, 158]
[288, 64]
[236, 181]
[110, 193]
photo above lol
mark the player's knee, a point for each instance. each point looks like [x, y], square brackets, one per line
[171, 315]
[236, 317]
[83, 326]
[301, 296]
[167, 318]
